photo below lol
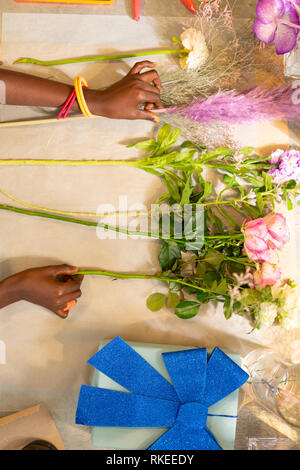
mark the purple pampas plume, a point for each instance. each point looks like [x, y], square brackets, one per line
[254, 105]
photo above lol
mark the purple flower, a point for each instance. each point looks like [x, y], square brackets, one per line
[277, 21]
[288, 166]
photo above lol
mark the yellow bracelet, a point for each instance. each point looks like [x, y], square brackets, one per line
[80, 82]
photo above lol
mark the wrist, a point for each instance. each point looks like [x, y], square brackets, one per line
[94, 101]
[9, 291]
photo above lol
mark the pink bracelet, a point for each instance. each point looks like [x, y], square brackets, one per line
[67, 106]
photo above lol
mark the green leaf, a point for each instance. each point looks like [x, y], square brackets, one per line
[203, 297]
[221, 288]
[253, 211]
[166, 138]
[291, 184]
[187, 191]
[172, 187]
[168, 254]
[267, 181]
[206, 191]
[156, 301]
[174, 287]
[173, 137]
[289, 204]
[173, 300]
[260, 202]
[227, 308]
[201, 270]
[213, 257]
[145, 145]
[163, 133]
[189, 144]
[163, 197]
[246, 150]
[187, 309]
[256, 182]
[211, 277]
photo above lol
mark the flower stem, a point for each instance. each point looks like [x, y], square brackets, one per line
[89, 223]
[42, 162]
[29, 60]
[140, 276]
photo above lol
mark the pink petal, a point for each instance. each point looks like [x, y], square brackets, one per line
[255, 244]
[275, 244]
[285, 39]
[264, 32]
[269, 10]
[290, 14]
[262, 256]
[256, 228]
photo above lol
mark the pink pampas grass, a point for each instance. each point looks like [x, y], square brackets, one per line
[254, 105]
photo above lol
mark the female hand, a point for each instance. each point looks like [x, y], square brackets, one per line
[56, 288]
[124, 99]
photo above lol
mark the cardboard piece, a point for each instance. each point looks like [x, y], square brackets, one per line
[19, 429]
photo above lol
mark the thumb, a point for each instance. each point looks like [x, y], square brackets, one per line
[63, 269]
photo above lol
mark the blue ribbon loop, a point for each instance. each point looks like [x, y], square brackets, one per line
[153, 401]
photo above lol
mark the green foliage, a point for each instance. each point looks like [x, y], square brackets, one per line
[216, 248]
[168, 254]
[156, 301]
[187, 309]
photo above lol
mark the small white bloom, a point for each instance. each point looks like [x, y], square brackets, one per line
[290, 320]
[244, 278]
[267, 313]
[193, 40]
[234, 293]
[251, 198]
[288, 298]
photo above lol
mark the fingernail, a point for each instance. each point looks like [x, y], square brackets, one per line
[69, 305]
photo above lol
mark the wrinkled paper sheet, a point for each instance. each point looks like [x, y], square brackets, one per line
[46, 356]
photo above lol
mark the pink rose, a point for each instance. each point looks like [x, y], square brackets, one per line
[267, 275]
[277, 229]
[256, 239]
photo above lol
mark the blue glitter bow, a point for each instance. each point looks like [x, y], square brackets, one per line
[155, 402]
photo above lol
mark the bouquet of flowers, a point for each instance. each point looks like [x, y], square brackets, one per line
[223, 238]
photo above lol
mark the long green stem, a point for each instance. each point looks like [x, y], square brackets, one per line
[109, 227]
[79, 221]
[140, 276]
[41, 162]
[29, 60]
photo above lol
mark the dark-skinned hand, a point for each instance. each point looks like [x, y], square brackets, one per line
[125, 98]
[56, 288]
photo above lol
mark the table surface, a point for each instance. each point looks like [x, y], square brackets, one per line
[45, 356]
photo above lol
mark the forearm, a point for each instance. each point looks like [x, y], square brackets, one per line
[132, 97]
[27, 90]
[8, 291]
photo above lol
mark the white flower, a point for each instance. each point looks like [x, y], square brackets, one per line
[234, 293]
[244, 278]
[289, 308]
[288, 298]
[267, 313]
[291, 320]
[193, 40]
[251, 198]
